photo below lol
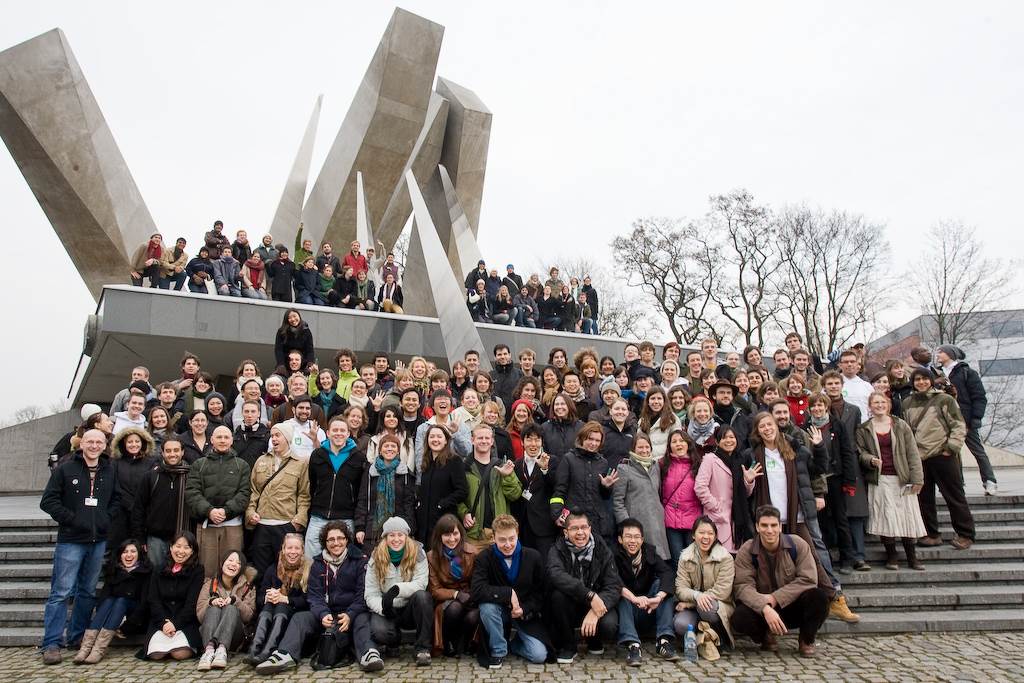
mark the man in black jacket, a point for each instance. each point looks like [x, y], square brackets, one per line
[648, 584]
[727, 413]
[508, 584]
[970, 395]
[80, 496]
[592, 300]
[505, 375]
[159, 511]
[335, 472]
[585, 590]
[536, 472]
[251, 437]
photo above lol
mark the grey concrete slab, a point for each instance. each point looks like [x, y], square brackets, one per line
[379, 131]
[364, 227]
[463, 251]
[23, 452]
[56, 133]
[466, 141]
[289, 209]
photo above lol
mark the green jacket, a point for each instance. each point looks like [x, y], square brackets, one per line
[504, 490]
[938, 424]
[300, 255]
[218, 481]
[905, 457]
[345, 380]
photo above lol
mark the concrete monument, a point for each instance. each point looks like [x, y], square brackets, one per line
[289, 209]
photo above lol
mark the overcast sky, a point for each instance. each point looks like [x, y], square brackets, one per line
[603, 112]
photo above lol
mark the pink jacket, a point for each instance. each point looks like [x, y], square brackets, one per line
[682, 507]
[713, 487]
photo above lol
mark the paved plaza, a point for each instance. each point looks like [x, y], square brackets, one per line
[989, 657]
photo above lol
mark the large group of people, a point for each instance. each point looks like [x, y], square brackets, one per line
[337, 513]
[370, 281]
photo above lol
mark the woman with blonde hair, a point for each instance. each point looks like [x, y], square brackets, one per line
[283, 592]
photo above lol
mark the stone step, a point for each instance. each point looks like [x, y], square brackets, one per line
[947, 553]
[873, 598]
[980, 500]
[21, 636]
[934, 621]
[1003, 572]
[995, 532]
[33, 522]
[989, 515]
[16, 555]
[21, 614]
[20, 572]
[28, 538]
[24, 591]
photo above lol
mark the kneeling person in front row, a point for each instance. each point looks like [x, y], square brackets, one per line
[776, 586]
[647, 582]
[508, 584]
[585, 588]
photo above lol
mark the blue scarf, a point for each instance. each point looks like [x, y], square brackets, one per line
[511, 572]
[338, 459]
[326, 397]
[385, 490]
[454, 563]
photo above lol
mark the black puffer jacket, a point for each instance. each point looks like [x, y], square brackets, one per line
[559, 436]
[295, 339]
[970, 393]
[578, 487]
[134, 585]
[505, 378]
[130, 471]
[577, 580]
[251, 442]
[617, 442]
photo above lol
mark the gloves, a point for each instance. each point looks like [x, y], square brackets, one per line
[834, 356]
[851, 491]
[463, 598]
[388, 606]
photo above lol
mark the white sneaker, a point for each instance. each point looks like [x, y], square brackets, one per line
[206, 661]
[278, 662]
[991, 488]
[220, 658]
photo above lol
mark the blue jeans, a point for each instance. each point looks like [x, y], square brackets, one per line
[630, 616]
[197, 289]
[76, 569]
[229, 290]
[678, 540]
[306, 298]
[822, 550]
[589, 326]
[552, 322]
[857, 531]
[111, 613]
[494, 618]
[313, 547]
[176, 281]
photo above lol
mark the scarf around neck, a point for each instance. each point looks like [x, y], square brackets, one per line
[511, 568]
[333, 561]
[819, 421]
[454, 563]
[396, 555]
[385, 489]
[701, 432]
[584, 554]
[644, 462]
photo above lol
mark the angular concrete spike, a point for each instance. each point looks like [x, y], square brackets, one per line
[289, 209]
[458, 331]
[54, 129]
[423, 161]
[463, 250]
[467, 137]
[379, 130]
[364, 229]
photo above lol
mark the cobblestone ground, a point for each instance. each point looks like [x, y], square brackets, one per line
[991, 658]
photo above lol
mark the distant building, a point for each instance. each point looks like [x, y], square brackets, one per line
[993, 342]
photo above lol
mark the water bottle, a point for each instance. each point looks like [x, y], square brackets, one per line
[690, 645]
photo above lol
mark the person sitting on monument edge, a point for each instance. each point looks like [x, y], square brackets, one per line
[281, 271]
[324, 294]
[355, 260]
[550, 310]
[390, 297]
[254, 278]
[172, 266]
[479, 273]
[525, 308]
[227, 274]
[478, 304]
[306, 280]
[241, 250]
[146, 263]
[365, 293]
[327, 257]
[776, 586]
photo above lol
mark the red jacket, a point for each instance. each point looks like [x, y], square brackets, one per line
[358, 263]
[798, 409]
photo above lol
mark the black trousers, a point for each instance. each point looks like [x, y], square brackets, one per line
[304, 628]
[566, 615]
[266, 544]
[835, 528]
[806, 613]
[945, 472]
[418, 613]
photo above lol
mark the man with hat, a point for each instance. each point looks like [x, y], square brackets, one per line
[479, 274]
[970, 395]
[512, 279]
[727, 413]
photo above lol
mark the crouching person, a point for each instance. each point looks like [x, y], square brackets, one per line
[508, 583]
[226, 603]
[585, 590]
[704, 582]
[337, 609]
[173, 594]
[396, 590]
[283, 589]
[776, 586]
[646, 594]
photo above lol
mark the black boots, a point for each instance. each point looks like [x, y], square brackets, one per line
[891, 560]
[910, 546]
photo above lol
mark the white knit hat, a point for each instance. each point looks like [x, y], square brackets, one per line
[395, 524]
[90, 409]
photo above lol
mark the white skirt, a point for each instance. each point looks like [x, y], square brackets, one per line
[892, 513]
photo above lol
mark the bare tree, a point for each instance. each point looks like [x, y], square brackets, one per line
[831, 275]
[954, 280]
[667, 259]
[1002, 426]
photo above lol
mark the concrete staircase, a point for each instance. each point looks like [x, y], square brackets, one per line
[979, 589]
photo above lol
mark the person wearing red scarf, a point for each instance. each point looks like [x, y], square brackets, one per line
[146, 261]
[254, 279]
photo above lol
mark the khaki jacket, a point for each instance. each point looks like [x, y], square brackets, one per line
[244, 593]
[712, 574]
[904, 453]
[753, 582]
[168, 262]
[285, 496]
[938, 424]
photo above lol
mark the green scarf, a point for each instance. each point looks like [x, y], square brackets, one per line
[642, 461]
[385, 490]
[396, 555]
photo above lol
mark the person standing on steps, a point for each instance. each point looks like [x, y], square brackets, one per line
[971, 396]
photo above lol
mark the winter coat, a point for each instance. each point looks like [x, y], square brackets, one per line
[160, 509]
[905, 454]
[128, 470]
[578, 487]
[970, 393]
[281, 274]
[800, 494]
[533, 509]
[592, 300]
[215, 241]
[375, 589]
[281, 492]
[938, 425]
[440, 491]
[219, 480]
[617, 442]
[331, 260]
[305, 281]
[712, 573]
[334, 495]
[173, 596]
[251, 442]
[396, 297]
[226, 272]
[659, 436]
[753, 581]
[503, 490]
[560, 436]
[528, 305]
[338, 591]
[65, 495]
[243, 594]
[297, 600]
[443, 586]
[636, 494]
[713, 486]
[366, 505]
[191, 451]
[653, 568]
[294, 339]
[133, 585]
[491, 584]
[678, 495]
[504, 379]
[200, 270]
[599, 575]
[168, 263]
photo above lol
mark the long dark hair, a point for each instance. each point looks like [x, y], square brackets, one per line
[693, 452]
[442, 457]
[397, 412]
[445, 525]
[286, 329]
[115, 558]
[193, 559]
[243, 564]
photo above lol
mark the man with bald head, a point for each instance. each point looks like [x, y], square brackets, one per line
[217, 492]
[80, 496]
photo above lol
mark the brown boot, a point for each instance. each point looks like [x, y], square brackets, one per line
[911, 549]
[891, 560]
[100, 648]
[88, 638]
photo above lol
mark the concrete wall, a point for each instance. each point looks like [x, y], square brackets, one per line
[23, 451]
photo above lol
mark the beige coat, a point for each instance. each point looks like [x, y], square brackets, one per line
[168, 263]
[712, 574]
[905, 455]
[244, 593]
[286, 496]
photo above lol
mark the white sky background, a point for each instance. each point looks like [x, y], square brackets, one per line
[603, 112]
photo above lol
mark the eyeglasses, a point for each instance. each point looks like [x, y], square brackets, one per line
[579, 527]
